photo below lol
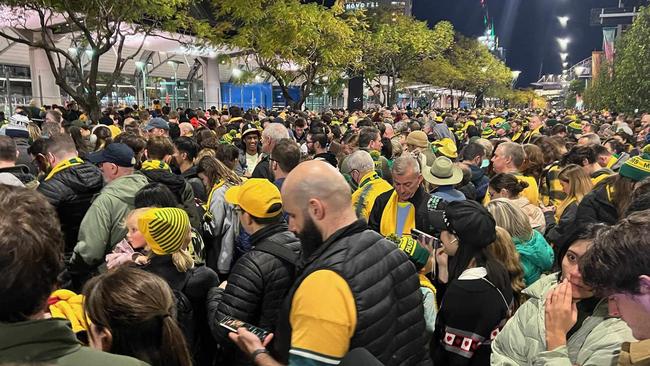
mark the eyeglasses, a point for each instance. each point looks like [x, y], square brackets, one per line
[238, 210]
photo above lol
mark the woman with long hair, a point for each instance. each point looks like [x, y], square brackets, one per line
[478, 297]
[534, 162]
[609, 200]
[103, 137]
[133, 313]
[507, 186]
[536, 255]
[504, 250]
[563, 322]
[576, 184]
[221, 221]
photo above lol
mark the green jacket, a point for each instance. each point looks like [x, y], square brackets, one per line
[52, 342]
[103, 225]
[523, 339]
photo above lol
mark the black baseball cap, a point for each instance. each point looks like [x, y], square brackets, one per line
[116, 153]
[468, 220]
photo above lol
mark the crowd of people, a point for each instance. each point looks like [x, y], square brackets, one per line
[381, 237]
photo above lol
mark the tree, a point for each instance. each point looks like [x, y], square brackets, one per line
[468, 67]
[96, 27]
[291, 41]
[626, 86]
[395, 44]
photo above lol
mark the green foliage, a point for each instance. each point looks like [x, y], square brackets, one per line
[293, 42]
[628, 87]
[394, 45]
[96, 27]
[467, 66]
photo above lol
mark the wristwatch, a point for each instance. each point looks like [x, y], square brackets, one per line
[257, 352]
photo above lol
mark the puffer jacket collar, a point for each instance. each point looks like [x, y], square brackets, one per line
[266, 232]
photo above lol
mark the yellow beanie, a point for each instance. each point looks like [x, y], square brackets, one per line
[165, 229]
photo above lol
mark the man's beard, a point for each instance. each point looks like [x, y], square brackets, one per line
[310, 238]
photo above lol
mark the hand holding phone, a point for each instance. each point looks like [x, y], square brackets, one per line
[233, 324]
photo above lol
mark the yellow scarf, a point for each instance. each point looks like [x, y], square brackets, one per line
[63, 166]
[530, 134]
[206, 206]
[516, 136]
[155, 165]
[388, 223]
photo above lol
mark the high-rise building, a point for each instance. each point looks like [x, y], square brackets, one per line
[402, 6]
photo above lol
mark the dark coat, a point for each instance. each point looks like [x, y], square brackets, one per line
[192, 177]
[481, 182]
[263, 169]
[595, 207]
[22, 173]
[71, 192]
[178, 186]
[420, 200]
[201, 280]
[256, 287]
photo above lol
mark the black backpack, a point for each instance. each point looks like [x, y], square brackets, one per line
[185, 311]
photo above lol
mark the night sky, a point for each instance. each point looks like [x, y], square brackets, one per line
[526, 28]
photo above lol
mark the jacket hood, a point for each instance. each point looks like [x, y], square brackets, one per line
[125, 188]
[175, 182]
[82, 178]
[535, 250]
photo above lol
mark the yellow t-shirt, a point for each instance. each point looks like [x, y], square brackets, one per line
[323, 318]
[378, 186]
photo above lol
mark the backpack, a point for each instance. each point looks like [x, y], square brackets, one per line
[185, 312]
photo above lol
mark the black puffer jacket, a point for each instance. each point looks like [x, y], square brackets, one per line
[201, 280]
[71, 192]
[386, 290]
[178, 186]
[256, 287]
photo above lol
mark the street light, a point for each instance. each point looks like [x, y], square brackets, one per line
[564, 43]
[565, 64]
[174, 64]
[564, 56]
[236, 72]
[579, 70]
[563, 21]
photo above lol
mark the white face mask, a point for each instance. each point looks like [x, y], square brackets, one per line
[485, 163]
[93, 139]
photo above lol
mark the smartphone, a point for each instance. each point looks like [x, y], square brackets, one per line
[233, 324]
[426, 239]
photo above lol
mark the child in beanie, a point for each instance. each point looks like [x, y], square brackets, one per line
[133, 248]
[167, 231]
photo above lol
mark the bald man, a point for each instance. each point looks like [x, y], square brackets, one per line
[356, 289]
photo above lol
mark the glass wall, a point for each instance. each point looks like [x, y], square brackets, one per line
[15, 87]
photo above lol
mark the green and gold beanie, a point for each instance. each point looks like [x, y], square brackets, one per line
[574, 127]
[636, 168]
[165, 230]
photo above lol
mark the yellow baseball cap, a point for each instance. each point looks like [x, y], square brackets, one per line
[258, 197]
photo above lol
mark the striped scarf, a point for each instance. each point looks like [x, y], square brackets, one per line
[155, 165]
[63, 166]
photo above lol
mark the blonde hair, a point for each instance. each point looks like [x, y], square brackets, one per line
[135, 213]
[503, 249]
[511, 218]
[579, 182]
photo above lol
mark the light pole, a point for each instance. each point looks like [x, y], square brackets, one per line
[143, 69]
[174, 64]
